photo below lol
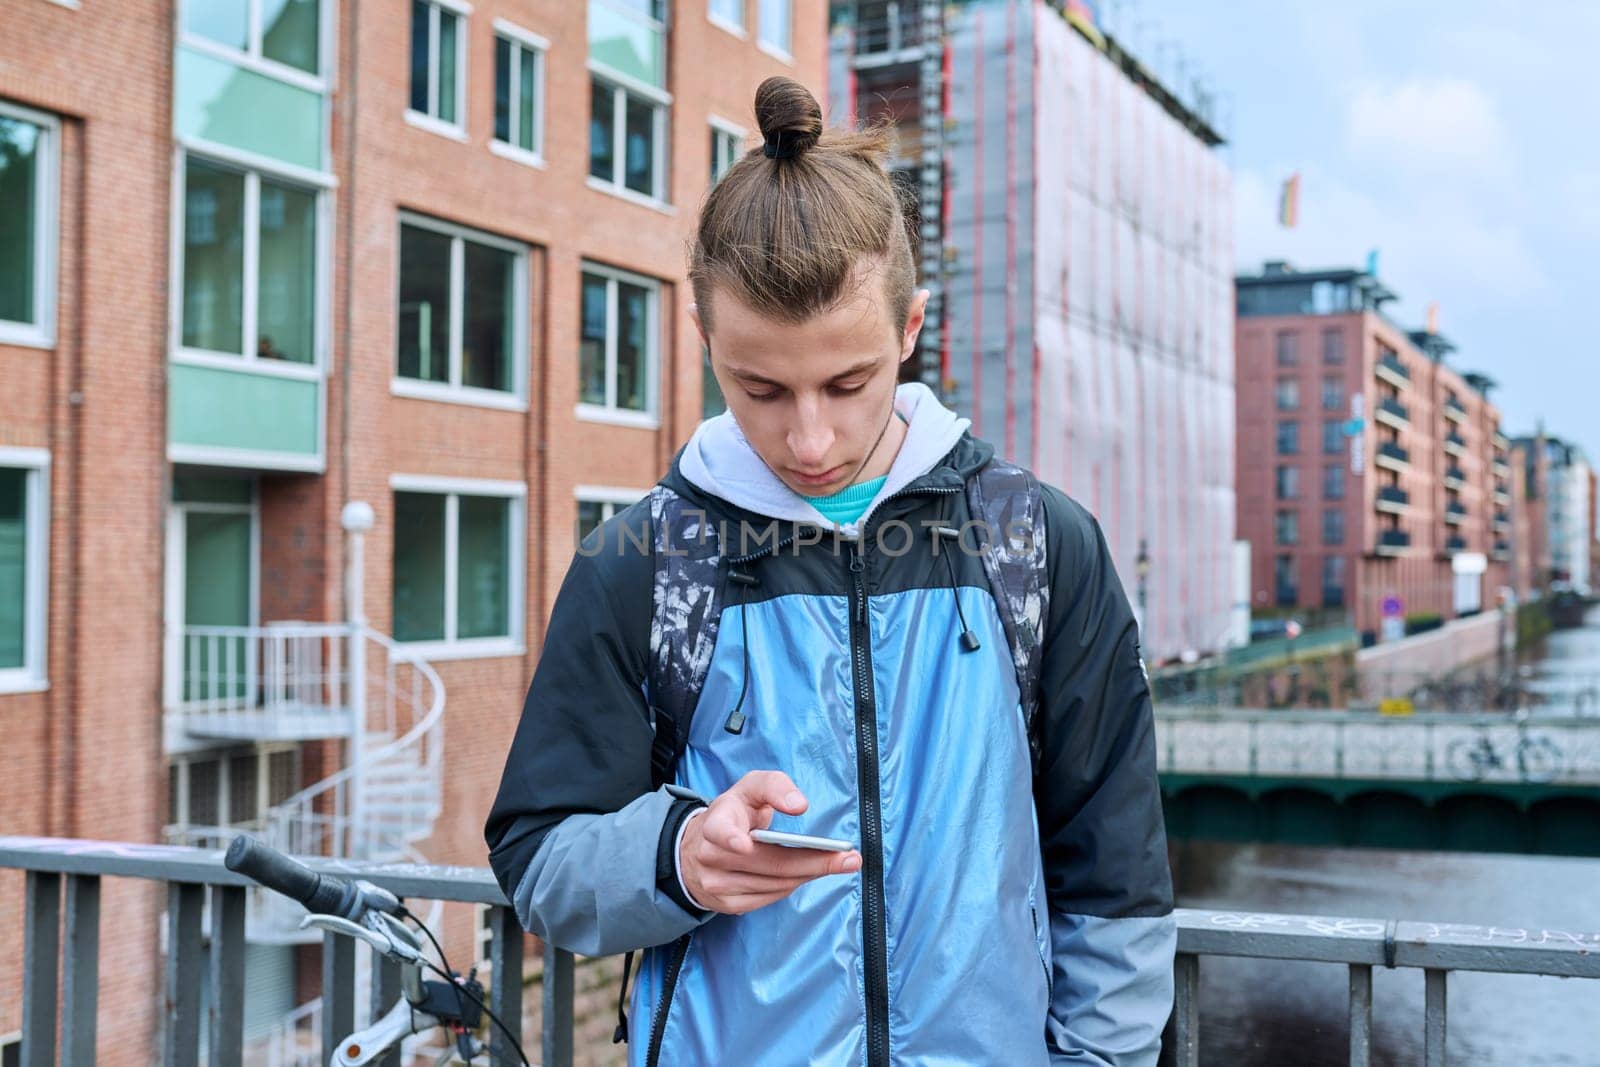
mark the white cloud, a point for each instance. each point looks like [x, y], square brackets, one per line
[1436, 126]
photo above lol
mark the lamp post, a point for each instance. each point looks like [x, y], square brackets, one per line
[1141, 567]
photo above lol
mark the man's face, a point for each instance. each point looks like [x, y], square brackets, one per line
[813, 398]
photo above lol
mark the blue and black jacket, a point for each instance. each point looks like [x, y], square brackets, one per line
[1002, 915]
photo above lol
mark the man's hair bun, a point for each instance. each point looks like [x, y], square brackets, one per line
[789, 116]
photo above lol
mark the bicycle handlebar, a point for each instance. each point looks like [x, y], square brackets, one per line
[322, 893]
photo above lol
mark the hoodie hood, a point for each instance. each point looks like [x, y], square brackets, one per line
[719, 461]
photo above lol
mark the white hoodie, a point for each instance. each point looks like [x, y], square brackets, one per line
[720, 461]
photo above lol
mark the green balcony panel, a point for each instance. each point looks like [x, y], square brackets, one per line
[216, 101]
[210, 407]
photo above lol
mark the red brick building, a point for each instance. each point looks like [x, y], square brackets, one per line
[1369, 468]
[275, 259]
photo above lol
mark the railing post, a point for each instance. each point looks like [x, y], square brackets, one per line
[1360, 1015]
[41, 944]
[1434, 1034]
[80, 983]
[1186, 1010]
[558, 990]
[505, 965]
[338, 987]
[227, 975]
[185, 901]
[385, 991]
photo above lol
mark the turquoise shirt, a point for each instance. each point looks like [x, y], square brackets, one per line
[849, 503]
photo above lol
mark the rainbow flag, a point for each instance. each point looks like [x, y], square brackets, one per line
[1289, 202]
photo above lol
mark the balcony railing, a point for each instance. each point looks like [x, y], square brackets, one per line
[283, 681]
[1393, 412]
[1393, 542]
[1502, 521]
[1455, 478]
[1455, 514]
[887, 30]
[1455, 444]
[1455, 543]
[1392, 370]
[192, 876]
[1501, 468]
[1394, 499]
[1454, 411]
[1500, 441]
[1502, 497]
[1501, 550]
[1393, 456]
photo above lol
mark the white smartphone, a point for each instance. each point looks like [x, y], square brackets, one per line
[778, 837]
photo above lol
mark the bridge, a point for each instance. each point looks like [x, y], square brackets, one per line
[1468, 782]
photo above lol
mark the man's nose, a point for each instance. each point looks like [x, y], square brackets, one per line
[811, 438]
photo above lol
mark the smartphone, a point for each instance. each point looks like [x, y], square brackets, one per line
[778, 837]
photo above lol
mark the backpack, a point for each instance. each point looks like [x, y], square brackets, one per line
[691, 576]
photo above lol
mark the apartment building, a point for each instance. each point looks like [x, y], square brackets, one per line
[301, 283]
[1373, 476]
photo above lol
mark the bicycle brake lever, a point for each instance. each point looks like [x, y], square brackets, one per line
[337, 925]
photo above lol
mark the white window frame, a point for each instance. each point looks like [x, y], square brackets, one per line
[722, 22]
[178, 512]
[769, 46]
[732, 130]
[453, 391]
[263, 751]
[622, 87]
[523, 42]
[34, 674]
[452, 489]
[649, 418]
[248, 359]
[252, 58]
[41, 333]
[456, 130]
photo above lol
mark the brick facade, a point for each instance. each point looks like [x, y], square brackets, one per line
[85, 756]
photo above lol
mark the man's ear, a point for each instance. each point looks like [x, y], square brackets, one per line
[916, 315]
[699, 327]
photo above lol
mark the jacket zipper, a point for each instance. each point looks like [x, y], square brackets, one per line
[874, 924]
[669, 985]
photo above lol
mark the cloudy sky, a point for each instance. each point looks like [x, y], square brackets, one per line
[1460, 139]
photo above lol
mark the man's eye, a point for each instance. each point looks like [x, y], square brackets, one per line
[771, 394]
[848, 390]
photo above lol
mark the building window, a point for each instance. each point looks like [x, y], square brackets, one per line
[1288, 483]
[251, 265]
[1287, 528]
[1333, 482]
[228, 788]
[1283, 577]
[1332, 436]
[626, 134]
[1333, 347]
[1333, 527]
[11, 1050]
[618, 345]
[1332, 394]
[463, 314]
[777, 27]
[1288, 437]
[438, 61]
[727, 145]
[24, 567]
[1333, 581]
[1288, 394]
[597, 504]
[27, 226]
[519, 89]
[1288, 348]
[281, 31]
[729, 14]
[458, 562]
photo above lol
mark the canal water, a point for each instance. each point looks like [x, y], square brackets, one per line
[1274, 1013]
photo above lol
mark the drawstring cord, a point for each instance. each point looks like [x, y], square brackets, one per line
[969, 640]
[744, 579]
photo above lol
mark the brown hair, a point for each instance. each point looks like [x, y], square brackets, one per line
[790, 224]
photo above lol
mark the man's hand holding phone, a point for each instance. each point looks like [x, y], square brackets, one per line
[728, 871]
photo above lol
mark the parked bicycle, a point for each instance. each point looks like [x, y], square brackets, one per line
[375, 916]
[1470, 759]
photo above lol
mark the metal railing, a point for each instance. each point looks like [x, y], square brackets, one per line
[886, 28]
[1436, 949]
[1397, 453]
[199, 887]
[289, 679]
[1396, 369]
[1367, 745]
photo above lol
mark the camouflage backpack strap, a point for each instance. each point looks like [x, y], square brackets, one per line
[683, 625]
[1010, 504]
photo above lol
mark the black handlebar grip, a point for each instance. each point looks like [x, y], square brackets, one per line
[320, 893]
